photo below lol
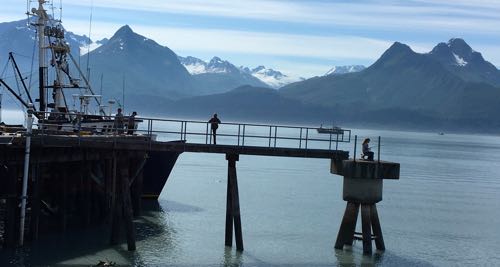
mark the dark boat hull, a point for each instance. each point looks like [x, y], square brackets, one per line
[156, 172]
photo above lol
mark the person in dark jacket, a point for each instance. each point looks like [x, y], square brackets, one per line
[118, 123]
[366, 149]
[214, 124]
[131, 123]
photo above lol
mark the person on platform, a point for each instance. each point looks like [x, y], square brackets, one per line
[118, 123]
[367, 150]
[214, 124]
[131, 123]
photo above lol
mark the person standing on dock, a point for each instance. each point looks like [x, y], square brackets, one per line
[366, 149]
[118, 124]
[131, 123]
[214, 124]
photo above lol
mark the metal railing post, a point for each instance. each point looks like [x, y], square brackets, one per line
[239, 128]
[243, 141]
[337, 141]
[300, 138]
[330, 143]
[378, 156]
[270, 131]
[275, 134]
[307, 136]
[355, 144]
[182, 129]
[206, 135]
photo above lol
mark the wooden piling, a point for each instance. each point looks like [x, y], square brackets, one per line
[367, 230]
[377, 230]
[233, 204]
[35, 200]
[12, 207]
[348, 225]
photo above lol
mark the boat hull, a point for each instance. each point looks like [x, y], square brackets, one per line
[156, 172]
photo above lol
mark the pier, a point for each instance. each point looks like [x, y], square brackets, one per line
[89, 178]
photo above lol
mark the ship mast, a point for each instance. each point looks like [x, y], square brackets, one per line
[42, 67]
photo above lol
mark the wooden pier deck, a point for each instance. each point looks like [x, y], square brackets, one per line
[143, 143]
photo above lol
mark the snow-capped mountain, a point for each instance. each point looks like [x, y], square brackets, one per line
[273, 78]
[270, 77]
[345, 69]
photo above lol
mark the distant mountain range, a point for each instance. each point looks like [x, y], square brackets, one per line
[451, 87]
[259, 76]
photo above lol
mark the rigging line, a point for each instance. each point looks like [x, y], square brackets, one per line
[17, 78]
[5, 68]
[21, 55]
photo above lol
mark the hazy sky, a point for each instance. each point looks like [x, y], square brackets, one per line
[299, 38]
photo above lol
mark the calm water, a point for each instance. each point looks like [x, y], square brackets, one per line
[444, 211]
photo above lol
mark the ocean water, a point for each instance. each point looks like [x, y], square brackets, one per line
[444, 211]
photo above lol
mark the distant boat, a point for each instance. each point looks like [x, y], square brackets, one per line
[332, 130]
[441, 133]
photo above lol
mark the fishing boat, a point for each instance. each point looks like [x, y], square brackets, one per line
[53, 114]
[56, 61]
[331, 130]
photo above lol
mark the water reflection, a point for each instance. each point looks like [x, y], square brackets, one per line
[232, 257]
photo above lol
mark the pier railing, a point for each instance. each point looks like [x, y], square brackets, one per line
[199, 132]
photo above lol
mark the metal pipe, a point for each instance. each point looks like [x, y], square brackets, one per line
[29, 125]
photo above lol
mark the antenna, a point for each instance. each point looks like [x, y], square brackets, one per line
[90, 32]
[0, 106]
[123, 93]
[102, 76]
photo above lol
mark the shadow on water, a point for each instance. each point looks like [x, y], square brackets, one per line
[89, 246]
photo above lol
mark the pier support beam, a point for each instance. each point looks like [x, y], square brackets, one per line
[362, 189]
[233, 205]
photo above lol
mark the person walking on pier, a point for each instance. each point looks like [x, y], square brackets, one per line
[131, 123]
[118, 124]
[214, 124]
[366, 149]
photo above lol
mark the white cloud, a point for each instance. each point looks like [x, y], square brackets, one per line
[434, 16]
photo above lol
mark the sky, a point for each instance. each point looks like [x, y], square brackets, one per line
[299, 38]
